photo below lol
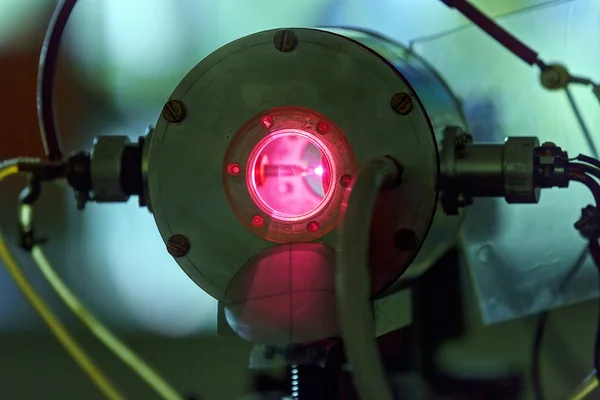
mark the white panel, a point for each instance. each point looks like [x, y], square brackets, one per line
[520, 254]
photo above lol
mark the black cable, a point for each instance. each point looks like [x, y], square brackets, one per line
[594, 249]
[579, 176]
[589, 160]
[588, 169]
[46, 73]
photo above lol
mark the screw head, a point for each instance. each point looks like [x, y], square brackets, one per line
[345, 180]
[234, 169]
[313, 226]
[402, 103]
[285, 40]
[268, 122]
[258, 221]
[174, 111]
[406, 240]
[323, 128]
[178, 245]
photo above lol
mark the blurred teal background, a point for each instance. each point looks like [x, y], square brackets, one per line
[119, 63]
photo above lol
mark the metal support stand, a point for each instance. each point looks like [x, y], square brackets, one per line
[437, 318]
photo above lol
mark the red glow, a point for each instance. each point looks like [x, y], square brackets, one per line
[234, 169]
[288, 176]
[345, 180]
[258, 221]
[313, 226]
[323, 128]
[291, 160]
[268, 122]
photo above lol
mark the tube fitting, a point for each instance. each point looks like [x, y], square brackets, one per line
[111, 172]
[471, 170]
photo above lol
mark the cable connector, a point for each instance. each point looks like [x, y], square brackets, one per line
[551, 164]
[471, 170]
[111, 172]
[589, 223]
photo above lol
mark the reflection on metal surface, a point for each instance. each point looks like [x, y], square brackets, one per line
[520, 254]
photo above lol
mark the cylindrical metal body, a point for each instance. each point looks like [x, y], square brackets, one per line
[479, 171]
[347, 97]
[443, 110]
[497, 170]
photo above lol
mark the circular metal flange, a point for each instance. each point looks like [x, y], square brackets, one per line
[327, 73]
[241, 163]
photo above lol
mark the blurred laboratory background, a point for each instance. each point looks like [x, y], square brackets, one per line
[119, 62]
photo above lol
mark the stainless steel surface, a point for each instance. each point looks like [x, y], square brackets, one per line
[250, 76]
[106, 168]
[443, 110]
[520, 254]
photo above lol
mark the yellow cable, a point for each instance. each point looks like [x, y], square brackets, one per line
[6, 171]
[585, 388]
[102, 333]
[57, 328]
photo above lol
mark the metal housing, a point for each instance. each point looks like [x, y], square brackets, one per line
[443, 110]
[340, 78]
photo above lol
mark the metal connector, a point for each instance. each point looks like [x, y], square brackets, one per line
[551, 164]
[470, 170]
[111, 172]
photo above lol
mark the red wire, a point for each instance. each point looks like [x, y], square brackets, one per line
[502, 36]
